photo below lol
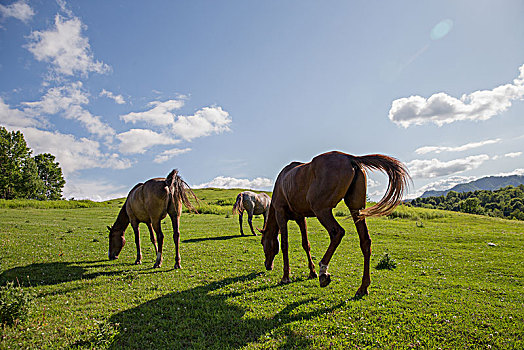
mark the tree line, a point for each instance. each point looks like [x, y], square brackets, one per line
[24, 176]
[507, 202]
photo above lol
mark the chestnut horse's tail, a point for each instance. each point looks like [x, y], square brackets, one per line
[179, 190]
[238, 207]
[398, 182]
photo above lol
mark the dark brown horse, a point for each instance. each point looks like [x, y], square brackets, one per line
[149, 203]
[313, 189]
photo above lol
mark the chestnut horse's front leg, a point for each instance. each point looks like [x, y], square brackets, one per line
[282, 225]
[336, 232]
[307, 247]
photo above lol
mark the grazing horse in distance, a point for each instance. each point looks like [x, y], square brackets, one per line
[313, 189]
[149, 203]
[254, 204]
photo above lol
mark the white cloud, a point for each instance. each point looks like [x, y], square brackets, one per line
[65, 48]
[513, 154]
[117, 98]
[429, 168]
[170, 153]
[372, 183]
[514, 172]
[204, 122]
[139, 140]
[441, 108]
[68, 100]
[94, 190]
[468, 146]
[160, 115]
[15, 117]
[72, 153]
[259, 183]
[19, 10]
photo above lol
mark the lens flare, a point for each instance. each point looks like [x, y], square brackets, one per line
[441, 29]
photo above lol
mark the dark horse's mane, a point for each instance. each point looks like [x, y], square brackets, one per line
[180, 189]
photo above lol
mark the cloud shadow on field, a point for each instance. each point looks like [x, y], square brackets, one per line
[205, 318]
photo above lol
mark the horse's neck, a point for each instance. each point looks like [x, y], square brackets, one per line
[122, 220]
[271, 222]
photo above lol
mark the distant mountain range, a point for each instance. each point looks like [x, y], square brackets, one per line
[489, 183]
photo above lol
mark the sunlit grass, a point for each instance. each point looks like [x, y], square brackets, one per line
[451, 288]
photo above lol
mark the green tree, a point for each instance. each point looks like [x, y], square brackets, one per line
[50, 174]
[31, 185]
[14, 155]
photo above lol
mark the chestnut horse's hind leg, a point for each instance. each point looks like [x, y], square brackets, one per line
[355, 200]
[307, 247]
[136, 230]
[336, 232]
[152, 237]
[365, 246]
[160, 238]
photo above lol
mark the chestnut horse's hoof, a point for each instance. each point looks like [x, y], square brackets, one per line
[156, 266]
[324, 279]
[177, 266]
[138, 262]
[285, 280]
[312, 274]
[361, 292]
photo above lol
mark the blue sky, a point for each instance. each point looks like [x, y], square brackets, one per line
[229, 92]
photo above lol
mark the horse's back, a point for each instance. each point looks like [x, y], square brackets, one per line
[323, 181]
[149, 201]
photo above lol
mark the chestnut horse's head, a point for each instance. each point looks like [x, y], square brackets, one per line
[270, 243]
[116, 242]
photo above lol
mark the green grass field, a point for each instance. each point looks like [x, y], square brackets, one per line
[459, 283]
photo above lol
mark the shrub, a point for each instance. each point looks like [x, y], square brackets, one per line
[386, 262]
[14, 303]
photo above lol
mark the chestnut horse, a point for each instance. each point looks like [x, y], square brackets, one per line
[149, 203]
[254, 204]
[313, 189]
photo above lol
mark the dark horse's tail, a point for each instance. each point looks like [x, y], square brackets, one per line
[179, 189]
[238, 207]
[398, 182]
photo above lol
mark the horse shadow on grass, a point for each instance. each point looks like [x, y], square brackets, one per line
[217, 238]
[205, 317]
[52, 273]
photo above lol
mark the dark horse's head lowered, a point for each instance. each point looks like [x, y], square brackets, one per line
[116, 242]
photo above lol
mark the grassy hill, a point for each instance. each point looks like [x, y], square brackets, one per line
[458, 283]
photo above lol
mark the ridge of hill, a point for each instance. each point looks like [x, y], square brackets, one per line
[489, 183]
